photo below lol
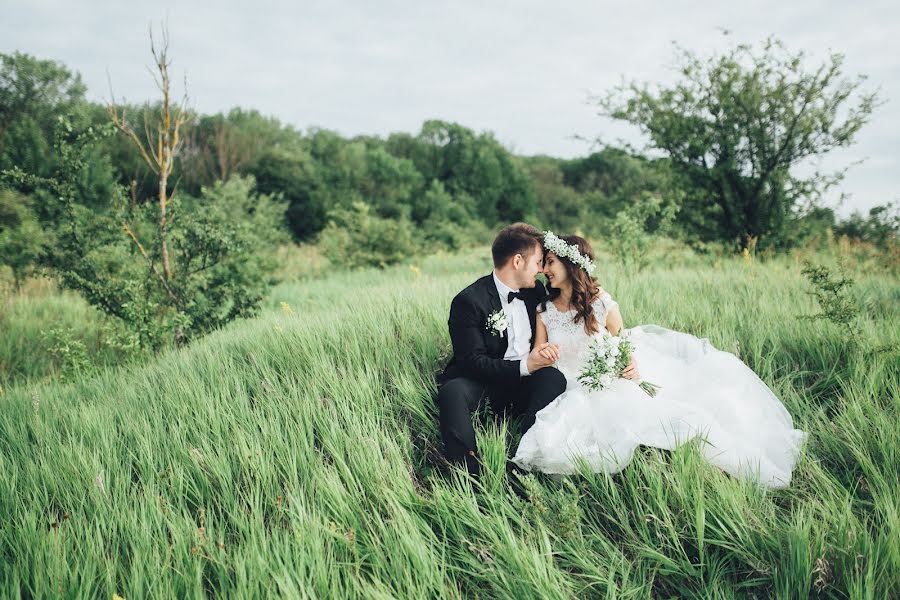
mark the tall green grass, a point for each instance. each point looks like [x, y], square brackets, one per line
[46, 334]
[294, 455]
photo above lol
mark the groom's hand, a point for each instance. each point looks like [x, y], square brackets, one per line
[542, 356]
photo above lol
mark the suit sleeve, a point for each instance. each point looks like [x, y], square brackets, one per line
[466, 334]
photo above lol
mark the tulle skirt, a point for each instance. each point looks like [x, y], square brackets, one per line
[706, 393]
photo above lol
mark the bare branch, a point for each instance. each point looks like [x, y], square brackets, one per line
[127, 229]
[120, 123]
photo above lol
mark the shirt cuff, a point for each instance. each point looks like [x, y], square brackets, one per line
[523, 367]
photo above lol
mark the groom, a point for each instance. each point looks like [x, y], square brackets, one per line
[492, 326]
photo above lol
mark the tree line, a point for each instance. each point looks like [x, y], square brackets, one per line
[103, 194]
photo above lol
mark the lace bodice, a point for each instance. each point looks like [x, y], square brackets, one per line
[571, 337]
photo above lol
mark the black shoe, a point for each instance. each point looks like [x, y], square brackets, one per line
[514, 474]
[512, 467]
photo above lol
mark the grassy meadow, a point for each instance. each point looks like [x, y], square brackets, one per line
[297, 454]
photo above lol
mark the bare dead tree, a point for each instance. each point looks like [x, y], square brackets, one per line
[159, 148]
[219, 151]
[230, 153]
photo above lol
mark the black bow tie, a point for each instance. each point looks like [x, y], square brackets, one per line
[512, 296]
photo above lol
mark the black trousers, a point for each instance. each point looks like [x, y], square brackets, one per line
[459, 397]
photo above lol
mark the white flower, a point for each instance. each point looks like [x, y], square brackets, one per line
[497, 322]
[560, 248]
[601, 367]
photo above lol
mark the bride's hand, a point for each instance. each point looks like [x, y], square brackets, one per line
[550, 352]
[542, 356]
[631, 371]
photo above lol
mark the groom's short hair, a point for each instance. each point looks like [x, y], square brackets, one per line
[518, 238]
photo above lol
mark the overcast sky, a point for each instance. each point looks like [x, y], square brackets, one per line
[521, 69]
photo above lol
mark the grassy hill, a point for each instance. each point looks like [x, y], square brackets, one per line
[294, 455]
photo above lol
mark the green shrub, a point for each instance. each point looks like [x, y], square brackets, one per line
[356, 238]
[221, 247]
[634, 230]
[21, 236]
[836, 305]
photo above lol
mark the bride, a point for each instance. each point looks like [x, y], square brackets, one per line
[705, 393]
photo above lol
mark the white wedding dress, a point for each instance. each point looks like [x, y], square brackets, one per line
[706, 393]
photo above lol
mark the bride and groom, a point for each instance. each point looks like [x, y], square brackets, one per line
[523, 350]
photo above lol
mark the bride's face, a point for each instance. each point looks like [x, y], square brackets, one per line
[555, 271]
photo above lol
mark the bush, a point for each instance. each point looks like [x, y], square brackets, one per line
[443, 222]
[356, 238]
[634, 230]
[881, 227]
[21, 236]
[225, 244]
[221, 248]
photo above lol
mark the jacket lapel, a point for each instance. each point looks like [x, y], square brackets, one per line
[493, 298]
[531, 300]
[532, 318]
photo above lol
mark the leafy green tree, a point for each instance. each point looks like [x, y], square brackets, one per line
[410, 147]
[737, 126]
[238, 201]
[295, 175]
[611, 180]
[389, 183]
[814, 227]
[224, 246]
[221, 145]
[437, 204]
[880, 227]
[221, 246]
[560, 207]
[470, 166]
[171, 269]
[21, 235]
[34, 93]
[325, 171]
[357, 238]
[634, 230]
[443, 222]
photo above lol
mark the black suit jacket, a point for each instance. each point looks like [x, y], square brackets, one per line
[477, 352]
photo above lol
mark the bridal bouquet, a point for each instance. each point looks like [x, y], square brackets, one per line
[608, 356]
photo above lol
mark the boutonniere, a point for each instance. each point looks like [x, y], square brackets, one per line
[497, 322]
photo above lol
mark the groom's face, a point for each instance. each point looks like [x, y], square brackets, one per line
[529, 267]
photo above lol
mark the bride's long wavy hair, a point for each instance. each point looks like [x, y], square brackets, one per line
[585, 288]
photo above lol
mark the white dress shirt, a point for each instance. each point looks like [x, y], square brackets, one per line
[519, 331]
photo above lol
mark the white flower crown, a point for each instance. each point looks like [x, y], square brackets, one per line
[560, 248]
